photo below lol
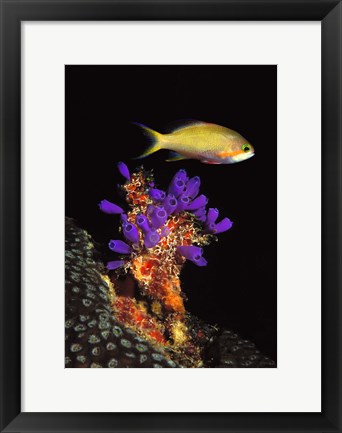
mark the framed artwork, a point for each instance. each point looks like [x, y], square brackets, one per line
[170, 224]
[149, 299]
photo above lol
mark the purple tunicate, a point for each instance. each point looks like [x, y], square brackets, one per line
[176, 187]
[212, 215]
[202, 218]
[120, 247]
[157, 194]
[199, 212]
[199, 202]
[115, 264]
[158, 217]
[193, 253]
[211, 228]
[170, 203]
[189, 251]
[193, 186]
[131, 233]
[223, 225]
[183, 202]
[124, 218]
[110, 208]
[201, 261]
[123, 169]
[151, 239]
[181, 175]
[151, 184]
[142, 223]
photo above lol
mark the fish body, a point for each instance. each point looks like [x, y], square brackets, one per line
[207, 142]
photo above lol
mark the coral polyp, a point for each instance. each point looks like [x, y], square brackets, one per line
[162, 229]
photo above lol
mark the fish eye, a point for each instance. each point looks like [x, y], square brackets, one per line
[246, 147]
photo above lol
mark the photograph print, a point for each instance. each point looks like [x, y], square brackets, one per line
[171, 216]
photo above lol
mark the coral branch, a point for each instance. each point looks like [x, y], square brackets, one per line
[161, 233]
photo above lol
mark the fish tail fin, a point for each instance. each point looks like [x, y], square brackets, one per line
[154, 137]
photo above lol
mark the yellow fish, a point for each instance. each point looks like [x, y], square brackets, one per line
[207, 142]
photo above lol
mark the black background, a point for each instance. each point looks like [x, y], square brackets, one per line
[238, 288]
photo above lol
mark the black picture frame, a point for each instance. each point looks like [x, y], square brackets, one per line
[13, 12]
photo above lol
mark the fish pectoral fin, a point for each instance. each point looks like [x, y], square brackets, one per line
[174, 156]
[205, 161]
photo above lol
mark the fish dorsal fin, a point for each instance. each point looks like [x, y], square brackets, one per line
[182, 124]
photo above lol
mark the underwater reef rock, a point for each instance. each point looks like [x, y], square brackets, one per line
[95, 338]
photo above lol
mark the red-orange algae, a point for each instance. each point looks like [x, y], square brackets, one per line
[157, 336]
[128, 311]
